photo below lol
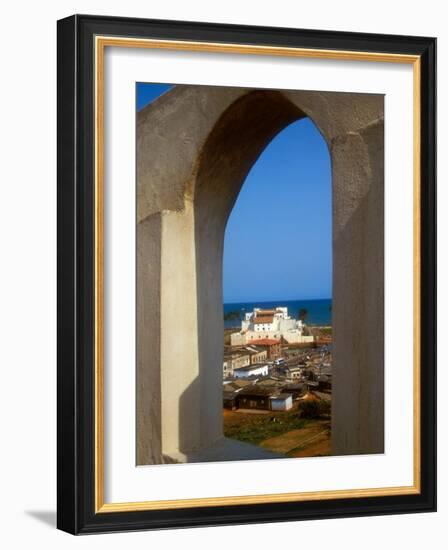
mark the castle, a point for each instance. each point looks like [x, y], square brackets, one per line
[270, 323]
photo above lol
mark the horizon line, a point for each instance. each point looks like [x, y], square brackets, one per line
[280, 300]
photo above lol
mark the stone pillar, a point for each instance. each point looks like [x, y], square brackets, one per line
[358, 291]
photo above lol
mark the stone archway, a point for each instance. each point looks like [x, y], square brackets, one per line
[195, 146]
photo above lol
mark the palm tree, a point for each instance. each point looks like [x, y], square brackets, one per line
[232, 316]
[303, 314]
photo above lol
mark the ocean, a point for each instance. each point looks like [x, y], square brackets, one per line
[319, 311]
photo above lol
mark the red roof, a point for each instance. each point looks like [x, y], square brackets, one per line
[262, 320]
[265, 342]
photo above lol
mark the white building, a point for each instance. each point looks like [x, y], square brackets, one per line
[251, 370]
[234, 360]
[282, 402]
[270, 323]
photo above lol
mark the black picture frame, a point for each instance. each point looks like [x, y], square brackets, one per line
[76, 225]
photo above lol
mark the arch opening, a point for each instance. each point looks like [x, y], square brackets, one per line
[277, 288]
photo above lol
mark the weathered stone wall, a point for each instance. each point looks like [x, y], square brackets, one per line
[195, 146]
[358, 291]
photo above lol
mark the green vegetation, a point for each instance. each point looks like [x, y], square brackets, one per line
[314, 410]
[257, 428]
[232, 316]
[303, 314]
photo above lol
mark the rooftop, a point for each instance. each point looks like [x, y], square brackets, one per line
[281, 396]
[266, 342]
[251, 367]
[257, 390]
[259, 319]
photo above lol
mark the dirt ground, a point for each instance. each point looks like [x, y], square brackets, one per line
[312, 440]
[280, 432]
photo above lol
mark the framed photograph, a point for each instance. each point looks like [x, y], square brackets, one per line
[246, 274]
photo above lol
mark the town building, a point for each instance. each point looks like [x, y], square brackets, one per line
[296, 371]
[281, 402]
[230, 391]
[273, 381]
[297, 390]
[229, 400]
[273, 347]
[242, 356]
[272, 324]
[251, 370]
[257, 354]
[227, 368]
[254, 397]
[234, 360]
[265, 386]
[258, 397]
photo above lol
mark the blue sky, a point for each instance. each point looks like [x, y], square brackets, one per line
[278, 241]
[145, 93]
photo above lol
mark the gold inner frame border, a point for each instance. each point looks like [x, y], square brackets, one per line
[101, 42]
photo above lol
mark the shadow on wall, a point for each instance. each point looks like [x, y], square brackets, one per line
[189, 412]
